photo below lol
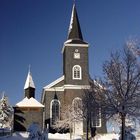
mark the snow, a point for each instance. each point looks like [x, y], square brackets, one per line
[54, 82]
[32, 102]
[16, 136]
[29, 81]
[110, 136]
[34, 131]
[6, 113]
[71, 21]
[63, 136]
[24, 136]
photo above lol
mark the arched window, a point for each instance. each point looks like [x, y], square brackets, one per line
[78, 116]
[96, 117]
[77, 107]
[77, 72]
[55, 111]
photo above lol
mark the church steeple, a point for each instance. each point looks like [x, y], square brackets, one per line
[29, 86]
[74, 33]
[74, 28]
[75, 54]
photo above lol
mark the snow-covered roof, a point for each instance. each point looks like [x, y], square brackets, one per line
[29, 81]
[55, 82]
[32, 102]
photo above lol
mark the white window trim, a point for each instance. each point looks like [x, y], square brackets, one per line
[75, 78]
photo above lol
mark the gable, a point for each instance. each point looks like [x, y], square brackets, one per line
[57, 83]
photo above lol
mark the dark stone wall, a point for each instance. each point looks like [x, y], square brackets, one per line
[49, 96]
[69, 62]
[66, 97]
[23, 117]
[70, 94]
[58, 84]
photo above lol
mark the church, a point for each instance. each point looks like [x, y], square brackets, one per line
[69, 88]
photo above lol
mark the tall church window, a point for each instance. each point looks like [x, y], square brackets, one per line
[77, 107]
[77, 72]
[77, 124]
[55, 111]
[96, 116]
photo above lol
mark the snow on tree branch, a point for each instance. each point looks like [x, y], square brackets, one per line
[69, 114]
[6, 113]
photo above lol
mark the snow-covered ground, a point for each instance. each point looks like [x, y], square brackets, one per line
[16, 136]
[107, 137]
[24, 136]
[63, 136]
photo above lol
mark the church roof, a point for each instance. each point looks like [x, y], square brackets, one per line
[55, 82]
[29, 81]
[32, 102]
[74, 33]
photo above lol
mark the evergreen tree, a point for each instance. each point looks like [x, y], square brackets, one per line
[6, 113]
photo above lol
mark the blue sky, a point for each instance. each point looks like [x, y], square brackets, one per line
[33, 32]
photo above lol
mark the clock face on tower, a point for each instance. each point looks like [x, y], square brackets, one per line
[76, 54]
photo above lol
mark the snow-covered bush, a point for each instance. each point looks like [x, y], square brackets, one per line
[34, 132]
[6, 113]
[45, 135]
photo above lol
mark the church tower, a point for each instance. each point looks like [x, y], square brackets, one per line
[68, 90]
[75, 54]
[29, 87]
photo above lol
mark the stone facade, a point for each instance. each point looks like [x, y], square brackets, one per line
[69, 61]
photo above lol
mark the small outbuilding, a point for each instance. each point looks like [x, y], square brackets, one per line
[28, 110]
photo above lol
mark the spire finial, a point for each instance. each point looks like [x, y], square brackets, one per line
[29, 68]
[74, 3]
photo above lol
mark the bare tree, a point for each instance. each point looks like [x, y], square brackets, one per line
[120, 87]
[91, 109]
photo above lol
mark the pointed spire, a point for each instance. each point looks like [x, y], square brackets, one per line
[74, 28]
[29, 81]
